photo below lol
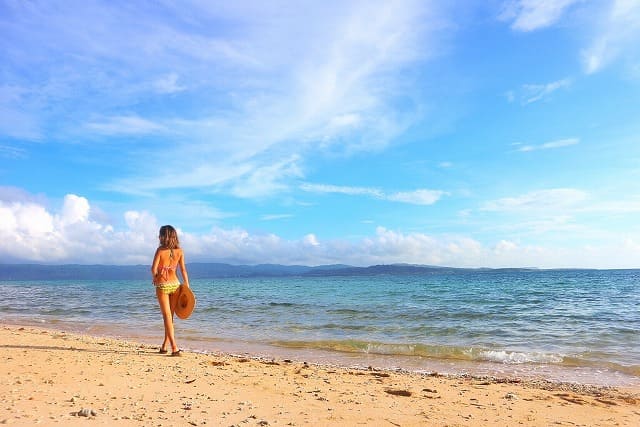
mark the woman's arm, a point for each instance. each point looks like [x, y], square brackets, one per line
[183, 270]
[154, 265]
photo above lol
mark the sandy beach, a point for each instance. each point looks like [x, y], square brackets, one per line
[58, 378]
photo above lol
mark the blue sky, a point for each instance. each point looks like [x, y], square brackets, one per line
[458, 133]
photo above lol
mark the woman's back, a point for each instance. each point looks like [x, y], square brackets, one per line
[168, 261]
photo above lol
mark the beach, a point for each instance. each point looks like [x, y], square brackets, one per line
[53, 377]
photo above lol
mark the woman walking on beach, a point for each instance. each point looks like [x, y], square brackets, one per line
[165, 262]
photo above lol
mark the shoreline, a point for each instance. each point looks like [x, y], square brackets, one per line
[582, 375]
[51, 376]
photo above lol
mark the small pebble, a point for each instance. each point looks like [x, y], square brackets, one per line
[86, 412]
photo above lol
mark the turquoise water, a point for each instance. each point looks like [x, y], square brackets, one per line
[576, 325]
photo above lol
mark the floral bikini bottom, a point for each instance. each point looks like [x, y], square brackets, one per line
[169, 287]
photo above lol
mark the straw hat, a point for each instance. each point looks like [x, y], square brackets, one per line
[186, 302]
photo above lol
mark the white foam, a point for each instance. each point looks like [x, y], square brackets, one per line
[520, 357]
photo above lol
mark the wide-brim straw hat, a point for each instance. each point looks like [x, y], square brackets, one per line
[186, 302]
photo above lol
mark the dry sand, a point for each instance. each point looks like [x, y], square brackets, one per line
[58, 378]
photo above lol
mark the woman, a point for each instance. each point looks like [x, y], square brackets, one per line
[165, 262]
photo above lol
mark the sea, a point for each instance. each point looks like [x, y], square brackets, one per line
[580, 326]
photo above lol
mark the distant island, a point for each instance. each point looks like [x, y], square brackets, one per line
[212, 271]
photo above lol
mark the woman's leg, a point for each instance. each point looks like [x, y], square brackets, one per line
[167, 309]
[173, 302]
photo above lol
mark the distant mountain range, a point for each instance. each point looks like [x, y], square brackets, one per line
[204, 271]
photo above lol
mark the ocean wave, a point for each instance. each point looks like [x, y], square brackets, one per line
[461, 353]
[516, 357]
[283, 304]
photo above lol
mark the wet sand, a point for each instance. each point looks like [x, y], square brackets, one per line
[57, 378]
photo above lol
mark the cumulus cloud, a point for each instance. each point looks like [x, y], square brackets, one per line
[311, 240]
[32, 232]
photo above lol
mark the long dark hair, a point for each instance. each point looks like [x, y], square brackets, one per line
[169, 237]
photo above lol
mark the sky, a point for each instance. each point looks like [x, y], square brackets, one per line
[464, 133]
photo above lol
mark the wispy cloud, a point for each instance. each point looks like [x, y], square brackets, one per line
[277, 83]
[8, 151]
[548, 145]
[552, 200]
[338, 189]
[265, 180]
[275, 217]
[17, 119]
[616, 37]
[530, 93]
[614, 27]
[125, 125]
[168, 84]
[415, 197]
[530, 15]
[537, 92]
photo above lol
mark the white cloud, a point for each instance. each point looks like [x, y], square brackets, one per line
[542, 200]
[16, 116]
[274, 217]
[344, 120]
[504, 246]
[311, 240]
[530, 15]
[29, 232]
[545, 224]
[617, 37]
[268, 179]
[338, 189]
[10, 152]
[416, 197]
[125, 125]
[273, 79]
[74, 210]
[168, 84]
[536, 92]
[613, 27]
[630, 205]
[550, 145]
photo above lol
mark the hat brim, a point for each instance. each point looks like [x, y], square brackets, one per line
[186, 302]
